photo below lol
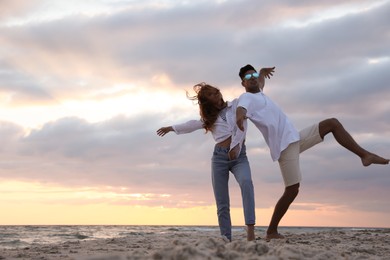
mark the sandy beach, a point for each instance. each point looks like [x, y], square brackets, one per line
[179, 244]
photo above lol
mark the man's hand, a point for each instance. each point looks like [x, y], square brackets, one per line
[267, 72]
[164, 130]
[233, 153]
[240, 117]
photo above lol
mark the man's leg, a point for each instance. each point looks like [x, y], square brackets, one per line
[290, 193]
[332, 125]
[291, 173]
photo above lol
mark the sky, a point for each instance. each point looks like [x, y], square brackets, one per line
[84, 85]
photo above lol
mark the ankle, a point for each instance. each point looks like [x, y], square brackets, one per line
[250, 235]
[272, 231]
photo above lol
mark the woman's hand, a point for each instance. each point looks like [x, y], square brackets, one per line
[164, 130]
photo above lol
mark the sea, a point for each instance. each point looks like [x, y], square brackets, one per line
[26, 236]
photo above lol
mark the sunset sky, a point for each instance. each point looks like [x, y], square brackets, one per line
[84, 85]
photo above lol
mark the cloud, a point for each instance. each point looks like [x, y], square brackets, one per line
[123, 45]
[20, 89]
[72, 152]
[12, 8]
[121, 147]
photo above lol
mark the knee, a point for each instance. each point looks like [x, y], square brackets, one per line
[333, 123]
[292, 191]
[246, 183]
[329, 125]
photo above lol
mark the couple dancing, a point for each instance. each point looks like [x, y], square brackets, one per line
[227, 124]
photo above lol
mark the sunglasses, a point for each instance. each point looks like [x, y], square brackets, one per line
[250, 75]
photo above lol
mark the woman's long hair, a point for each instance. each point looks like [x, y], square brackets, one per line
[208, 111]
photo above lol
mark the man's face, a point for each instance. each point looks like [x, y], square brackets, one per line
[250, 80]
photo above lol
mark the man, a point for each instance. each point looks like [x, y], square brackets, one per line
[284, 141]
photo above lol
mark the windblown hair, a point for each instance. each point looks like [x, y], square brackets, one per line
[208, 111]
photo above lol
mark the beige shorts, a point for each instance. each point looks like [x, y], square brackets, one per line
[289, 158]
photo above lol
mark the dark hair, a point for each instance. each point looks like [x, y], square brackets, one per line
[244, 69]
[208, 111]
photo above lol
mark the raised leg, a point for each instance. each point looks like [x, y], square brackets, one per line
[332, 125]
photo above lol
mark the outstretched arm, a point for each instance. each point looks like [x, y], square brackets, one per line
[164, 130]
[185, 128]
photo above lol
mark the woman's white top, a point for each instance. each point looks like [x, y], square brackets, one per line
[224, 127]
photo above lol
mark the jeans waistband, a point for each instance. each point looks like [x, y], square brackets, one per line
[226, 150]
[221, 149]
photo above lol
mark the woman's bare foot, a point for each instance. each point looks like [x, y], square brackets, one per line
[250, 232]
[268, 237]
[371, 158]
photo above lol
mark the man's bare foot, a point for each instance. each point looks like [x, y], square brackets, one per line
[371, 158]
[250, 232]
[268, 237]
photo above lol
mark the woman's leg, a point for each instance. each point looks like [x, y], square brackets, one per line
[220, 182]
[332, 125]
[242, 172]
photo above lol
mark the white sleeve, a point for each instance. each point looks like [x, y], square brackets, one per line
[244, 101]
[188, 127]
[238, 136]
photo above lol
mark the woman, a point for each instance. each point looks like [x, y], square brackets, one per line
[218, 117]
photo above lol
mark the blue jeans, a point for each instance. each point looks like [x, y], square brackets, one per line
[240, 168]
